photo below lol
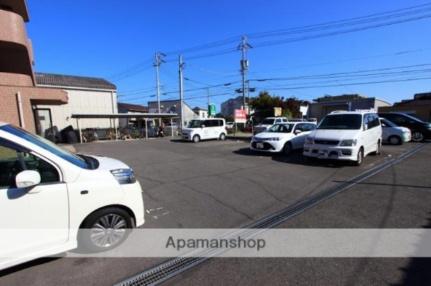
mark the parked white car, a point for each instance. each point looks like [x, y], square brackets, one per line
[394, 134]
[345, 135]
[204, 129]
[282, 137]
[230, 125]
[80, 199]
[268, 122]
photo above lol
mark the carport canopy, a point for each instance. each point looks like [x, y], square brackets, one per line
[123, 115]
[126, 115]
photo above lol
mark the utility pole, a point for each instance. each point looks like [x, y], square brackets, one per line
[158, 60]
[209, 102]
[181, 87]
[243, 47]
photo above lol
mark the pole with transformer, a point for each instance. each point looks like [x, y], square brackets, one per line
[209, 102]
[158, 60]
[181, 87]
[243, 47]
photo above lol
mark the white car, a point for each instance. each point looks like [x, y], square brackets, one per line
[204, 129]
[52, 201]
[394, 134]
[345, 135]
[268, 122]
[282, 137]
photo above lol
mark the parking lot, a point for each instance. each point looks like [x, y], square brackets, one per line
[221, 184]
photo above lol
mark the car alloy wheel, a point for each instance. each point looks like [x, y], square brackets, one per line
[222, 137]
[417, 136]
[395, 140]
[104, 229]
[108, 230]
[196, 138]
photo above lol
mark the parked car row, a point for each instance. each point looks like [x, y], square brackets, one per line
[341, 135]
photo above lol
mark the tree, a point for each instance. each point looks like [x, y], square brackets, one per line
[264, 104]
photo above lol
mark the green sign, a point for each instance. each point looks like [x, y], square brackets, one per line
[211, 110]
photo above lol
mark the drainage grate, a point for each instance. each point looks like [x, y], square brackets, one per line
[175, 266]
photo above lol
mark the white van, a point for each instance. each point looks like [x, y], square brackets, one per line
[203, 129]
[268, 122]
[51, 200]
[345, 135]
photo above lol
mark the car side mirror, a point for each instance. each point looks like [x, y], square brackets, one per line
[298, 132]
[202, 126]
[365, 126]
[27, 179]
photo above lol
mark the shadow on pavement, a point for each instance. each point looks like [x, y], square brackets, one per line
[418, 270]
[29, 264]
[295, 158]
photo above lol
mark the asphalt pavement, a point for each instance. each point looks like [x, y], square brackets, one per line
[221, 184]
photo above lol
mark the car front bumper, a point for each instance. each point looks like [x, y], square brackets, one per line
[331, 152]
[266, 146]
[134, 200]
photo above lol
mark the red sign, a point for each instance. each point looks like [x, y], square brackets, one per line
[240, 116]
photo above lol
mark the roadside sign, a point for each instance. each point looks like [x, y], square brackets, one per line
[211, 110]
[240, 116]
[277, 111]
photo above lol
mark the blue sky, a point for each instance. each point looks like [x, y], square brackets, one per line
[106, 38]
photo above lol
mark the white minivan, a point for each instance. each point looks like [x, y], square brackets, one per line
[51, 200]
[345, 135]
[204, 129]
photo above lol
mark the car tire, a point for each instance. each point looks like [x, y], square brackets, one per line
[287, 148]
[196, 139]
[360, 157]
[417, 136]
[395, 140]
[222, 137]
[104, 229]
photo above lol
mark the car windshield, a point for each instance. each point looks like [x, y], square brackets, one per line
[82, 162]
[195, 124]
[281, 128]
[341, 121]
[268, 121]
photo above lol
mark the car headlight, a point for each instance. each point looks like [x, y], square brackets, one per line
[124, 176]
[349, 142]
[309, 140]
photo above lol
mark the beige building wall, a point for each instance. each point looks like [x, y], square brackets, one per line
[84, 102]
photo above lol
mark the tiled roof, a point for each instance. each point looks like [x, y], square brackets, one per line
[132, 107]
[73, 81]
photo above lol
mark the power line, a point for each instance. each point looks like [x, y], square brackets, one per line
[353, 83]
[372, 21]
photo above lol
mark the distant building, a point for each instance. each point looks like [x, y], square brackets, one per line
[419, 106]
[131, 108]
[86, 95]
[201, 112]
[228, 107]
[173, 106]
[326, 104]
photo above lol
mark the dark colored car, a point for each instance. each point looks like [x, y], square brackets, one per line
[420, 130]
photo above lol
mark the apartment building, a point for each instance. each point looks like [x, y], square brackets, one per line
[19, 92]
